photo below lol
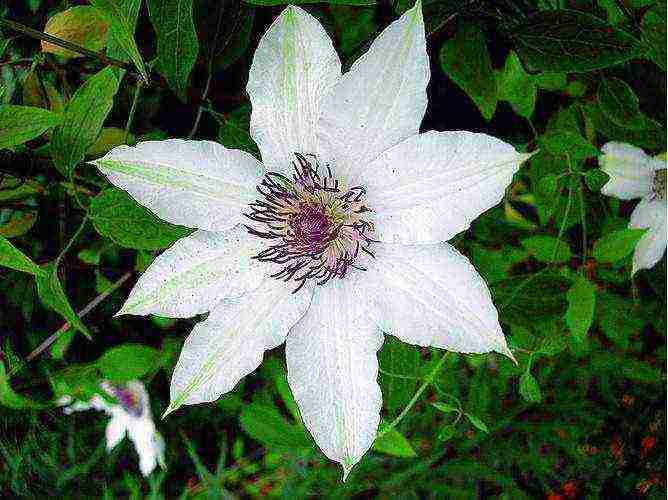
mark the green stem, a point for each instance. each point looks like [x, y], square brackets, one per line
[427, 381]
[72, 240]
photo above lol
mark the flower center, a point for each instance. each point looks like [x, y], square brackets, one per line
[129, 400]
[659, 184]
[316, 222]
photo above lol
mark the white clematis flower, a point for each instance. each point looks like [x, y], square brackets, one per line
[335, 238]
[132, 415]
[634, 174]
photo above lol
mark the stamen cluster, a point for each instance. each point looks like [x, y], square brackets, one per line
[317, 224]
[659, 184]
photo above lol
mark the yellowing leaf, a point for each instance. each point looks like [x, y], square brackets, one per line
[82, 25]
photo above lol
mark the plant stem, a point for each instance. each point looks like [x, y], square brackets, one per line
[72, 240]
[133, 110]
[427, 381]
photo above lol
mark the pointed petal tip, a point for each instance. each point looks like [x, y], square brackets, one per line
[170, 409]
[346, 472]
[507, 352]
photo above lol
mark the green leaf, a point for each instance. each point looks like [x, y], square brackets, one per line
[447, 432]
[596, 179]
[267, 3]
[619, 103]
[547, 249]
[529, 388]
[580, 313]
[654, 34]
[53, 296]
[516, 87]
[393, 443]
[11, 399]
[12, 257]
[265, 423]
[127, 362]
[445, 407]
[233, 132]
[571, 41]
[19, 124]
[82, 25]
[627, 367]
[568, 143]
[353, 26]
[398, 362]
[83, 118]
[615, 246]
[177, 41]
[477, 423]
[550, 81]
[494, 264]
[117, 216]
[121, 29]
[466, 61]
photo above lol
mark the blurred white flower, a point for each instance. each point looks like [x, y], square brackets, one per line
[348, 210]
[132, 415]
[634, 174]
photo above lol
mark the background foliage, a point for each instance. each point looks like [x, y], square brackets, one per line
[582, 415]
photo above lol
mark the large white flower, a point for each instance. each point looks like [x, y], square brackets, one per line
[634, 174]
[132, 415]
[335, 238]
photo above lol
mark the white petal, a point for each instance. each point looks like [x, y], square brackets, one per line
[198, 184]
[630, 169]
[196, 273]
[433, 185]
[230, 343]
[431, 295]
[381, 100]
[332, 371]
[116, 428]
[149, 447]
[652, 246]
[294, 65]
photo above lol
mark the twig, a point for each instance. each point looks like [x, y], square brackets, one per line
[66, 326]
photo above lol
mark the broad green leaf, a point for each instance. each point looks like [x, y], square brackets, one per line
[580, 313]
[121, 28]
[79, 381]
[109, 138]
[568, 143]
[466, 61]
[177, 41]
[129, 10]
[17, 223]
[83, 118]
[233, 132]
[547, 248]
[550, 80]
[615, 246]
[235, 42]
[627, 367]
[529, 388]
[571, 41]
[619, 103]
[12, 257]
[494, 264]
[19, 124]
[618, 318]
[654, 34]
[477, 423]
[127, 362]
[82, 25]
[53, 296]
[399, 365]
[516, 87]
[265, 424]
[11, 399]
[393, 443]
[117, 216]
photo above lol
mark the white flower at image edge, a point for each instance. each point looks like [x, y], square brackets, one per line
[131, 416]
[336, 237]
[634, 174]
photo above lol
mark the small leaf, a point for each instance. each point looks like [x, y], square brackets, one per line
[445, 407]
[127, 362]
[11, 399]
[12, 257]
[547, 249]
[177, 41]
[117, 216]
[550, 81]
[53, 296]
[399, 363]
[19, 124]
[266, 424]
[446, 433]
[596, 179]
[618, 102]
[529, 388]
[580, 313]
[477, 423]
[82, 120]
[393, 443]
[82, 25]
[571, 41]
[121, 28]
[561, 142]
[466, 61]
[615, 246]
[516, 87]
[654, 34]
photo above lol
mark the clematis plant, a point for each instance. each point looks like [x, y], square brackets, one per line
[336, 237]
[634, 174]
